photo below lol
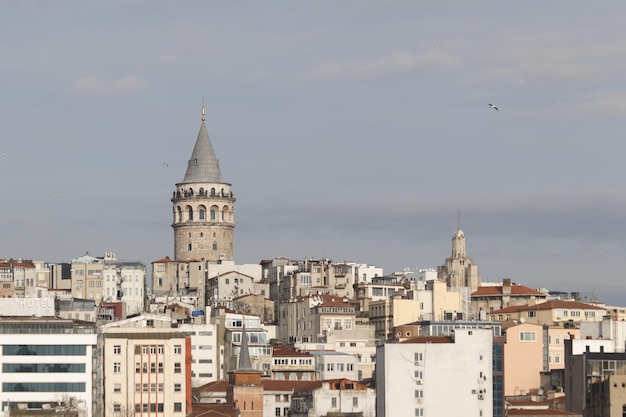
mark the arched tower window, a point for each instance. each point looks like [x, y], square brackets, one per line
[225, 213]
[201, 191]
[180, 214]
[212, 213]
[213, 192]
[201, 213]
[190, 213]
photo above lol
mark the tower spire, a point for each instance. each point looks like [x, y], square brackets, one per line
[203, 118]
[458, 227]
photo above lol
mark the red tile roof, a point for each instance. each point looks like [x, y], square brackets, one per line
[496, 291]
[549, 305]
[429, 339]
[534, 412]
[279, 350]
[214, 409]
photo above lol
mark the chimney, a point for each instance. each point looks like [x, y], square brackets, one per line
[506, 286]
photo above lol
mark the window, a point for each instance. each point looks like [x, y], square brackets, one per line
[333, 402]
[527, 336]
[355, 401]
[531, 314]
[557, 358]
[419, 393]
[117, 368]
[419, 412]
[161, 386]
[557, 340]
[117, 350]
[117, 387]
[330, 366]
[277, 411]
[144, 387]
[177, 368]
[153, 387]
[178, 349]
[137, 387]
[117, 408]
[160, 367]
[177, 388]
[178, 407]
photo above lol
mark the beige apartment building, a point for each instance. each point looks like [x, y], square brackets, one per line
[551, 312]
[488, 298]
[315, 317]
[146, 368]
[523, 358]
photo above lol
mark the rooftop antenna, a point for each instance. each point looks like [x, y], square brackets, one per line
[203, 118]
[458, 220]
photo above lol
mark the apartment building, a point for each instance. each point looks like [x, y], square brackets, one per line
[436, 375]
[146, 368]
[47, 364]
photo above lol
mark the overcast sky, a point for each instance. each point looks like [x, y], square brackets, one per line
[353, 130]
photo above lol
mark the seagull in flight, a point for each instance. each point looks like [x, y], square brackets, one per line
[491, 106]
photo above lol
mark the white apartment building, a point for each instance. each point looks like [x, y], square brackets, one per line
[436, 375]
[125, 281]
[341, 397]
[335, 365]
[46, 361]
[204, 352]
[146, 368]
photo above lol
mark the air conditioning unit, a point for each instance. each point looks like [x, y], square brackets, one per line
[418, 363]
[419, 381]
[474, 391]
[481, 396]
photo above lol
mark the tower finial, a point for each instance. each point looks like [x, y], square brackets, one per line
[203, 118]
[459, 220]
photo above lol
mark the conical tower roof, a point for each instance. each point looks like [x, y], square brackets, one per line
[203, 166]
[244, 354]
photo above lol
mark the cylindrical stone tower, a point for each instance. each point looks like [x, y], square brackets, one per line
[203, 207]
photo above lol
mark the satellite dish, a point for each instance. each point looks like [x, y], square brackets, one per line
[522, 320]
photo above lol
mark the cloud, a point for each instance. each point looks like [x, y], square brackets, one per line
[88, 85]
[94, 86]
[129, 84]
[550, 57]
[606, 105]
[398, 62]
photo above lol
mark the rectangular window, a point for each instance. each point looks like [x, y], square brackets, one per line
[117, 350]
[333, 402]
[137, 387]
[117, 408]
[161, 386]
[178, 349]
[160, 367]
[355, 401]
[277, 411]
[117, 387]
[527, 336]
[117, 368]
[177, 368]
[178, 388]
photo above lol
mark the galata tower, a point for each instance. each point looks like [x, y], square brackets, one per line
[203, 207]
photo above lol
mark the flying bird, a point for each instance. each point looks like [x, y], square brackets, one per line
[491, 106]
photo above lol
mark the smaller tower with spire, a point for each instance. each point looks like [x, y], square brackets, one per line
[459, 269]
[245, 390]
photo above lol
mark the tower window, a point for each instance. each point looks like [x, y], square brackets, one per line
[212, 214]
[190, 213]
[201, 214]
[214, 246]
[189, 247]
[213, 191]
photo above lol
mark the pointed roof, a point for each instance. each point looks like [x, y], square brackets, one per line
[244, 354]
[203, 166]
